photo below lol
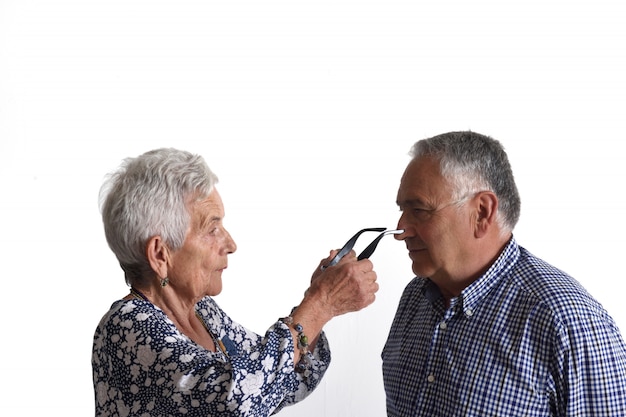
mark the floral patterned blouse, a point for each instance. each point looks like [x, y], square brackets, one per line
[143, 366]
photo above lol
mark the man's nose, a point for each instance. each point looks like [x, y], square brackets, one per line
[402, 225]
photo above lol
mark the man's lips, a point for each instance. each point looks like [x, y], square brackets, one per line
[416, 251]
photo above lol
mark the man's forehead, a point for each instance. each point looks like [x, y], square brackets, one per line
[422, 182]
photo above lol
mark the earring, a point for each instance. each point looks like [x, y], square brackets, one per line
[164, 281]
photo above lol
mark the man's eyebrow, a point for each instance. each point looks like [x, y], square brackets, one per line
[412, 202]
[208, 220]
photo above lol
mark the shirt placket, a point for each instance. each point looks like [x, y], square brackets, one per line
[437, 359]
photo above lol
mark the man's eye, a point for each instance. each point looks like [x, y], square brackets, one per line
[422, 214]
[414, 210]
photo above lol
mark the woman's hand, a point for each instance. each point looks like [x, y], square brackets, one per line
[324, 262]
[348, 286]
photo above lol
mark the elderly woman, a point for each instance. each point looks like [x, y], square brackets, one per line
[167, 348]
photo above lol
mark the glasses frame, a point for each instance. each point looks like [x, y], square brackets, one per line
[368, 251]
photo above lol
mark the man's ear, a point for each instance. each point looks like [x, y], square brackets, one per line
[158, 255]
[487, 206]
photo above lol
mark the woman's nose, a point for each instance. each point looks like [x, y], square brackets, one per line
[231, 246]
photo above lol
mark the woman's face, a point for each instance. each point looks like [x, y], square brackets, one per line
[199, 263]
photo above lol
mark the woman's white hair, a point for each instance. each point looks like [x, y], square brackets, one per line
[148, 196]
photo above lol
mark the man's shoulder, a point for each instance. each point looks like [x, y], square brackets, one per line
[564, 296]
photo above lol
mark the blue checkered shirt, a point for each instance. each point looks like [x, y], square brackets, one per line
[525, 339]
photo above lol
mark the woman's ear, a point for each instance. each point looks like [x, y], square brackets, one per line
[158, 256]
[487, 207]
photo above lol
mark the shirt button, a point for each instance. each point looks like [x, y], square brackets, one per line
[469, 312]
[431, 378]
[443, 325]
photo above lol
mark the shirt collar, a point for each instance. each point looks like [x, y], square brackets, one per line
[472, 295]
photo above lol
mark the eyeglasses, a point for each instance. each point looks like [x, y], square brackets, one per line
[368, 251]
[425, 214]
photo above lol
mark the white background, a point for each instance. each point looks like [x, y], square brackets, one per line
[306, 111]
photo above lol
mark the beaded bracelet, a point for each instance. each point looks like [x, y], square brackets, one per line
[304, 364]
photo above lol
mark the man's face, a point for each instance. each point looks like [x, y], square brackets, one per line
[437, 228]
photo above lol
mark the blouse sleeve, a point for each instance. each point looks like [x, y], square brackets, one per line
[143, 366]
[271, 355]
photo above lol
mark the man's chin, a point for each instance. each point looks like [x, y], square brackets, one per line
[421, 271]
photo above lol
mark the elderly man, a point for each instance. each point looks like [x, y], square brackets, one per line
[486, 328]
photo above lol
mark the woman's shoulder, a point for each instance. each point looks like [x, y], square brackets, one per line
[138, 312]
[213, 314]
[208, 308]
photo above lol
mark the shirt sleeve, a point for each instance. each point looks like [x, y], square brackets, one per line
[143, 366]
[589, 375]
